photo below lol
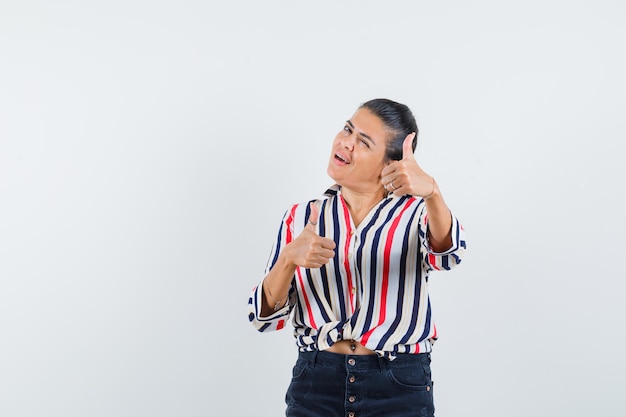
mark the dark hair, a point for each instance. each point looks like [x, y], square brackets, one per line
[398, 119]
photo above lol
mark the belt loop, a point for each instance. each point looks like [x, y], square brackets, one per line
[382, 365]
[314, 359]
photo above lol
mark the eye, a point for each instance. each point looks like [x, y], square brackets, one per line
[347, 129]
[364, 142]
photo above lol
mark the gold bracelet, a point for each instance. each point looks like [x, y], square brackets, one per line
[277, 304]
[432, 192]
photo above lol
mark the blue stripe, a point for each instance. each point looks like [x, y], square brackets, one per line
[339, 278]
[299, 307]
[318, 300]
[307, 213]
[444, 262]
[278, 240]
[323, 269]
[426, 323]
[415, 310]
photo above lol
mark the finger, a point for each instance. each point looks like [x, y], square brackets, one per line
[314, 217]
[401, 191]
[389, 173]
[326, 253]
[327, 243]
[389, 169]
[407, 146]
[316, 261]
[323, 258]
[315, 264]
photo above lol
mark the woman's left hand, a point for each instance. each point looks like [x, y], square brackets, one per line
[405, 176]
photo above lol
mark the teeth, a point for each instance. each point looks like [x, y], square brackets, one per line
[339, 157]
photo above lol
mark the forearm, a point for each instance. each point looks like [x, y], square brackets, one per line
[276, 284]
[439, 222]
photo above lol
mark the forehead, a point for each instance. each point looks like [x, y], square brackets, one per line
[366, 122]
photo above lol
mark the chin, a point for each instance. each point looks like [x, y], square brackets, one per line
[329, 171]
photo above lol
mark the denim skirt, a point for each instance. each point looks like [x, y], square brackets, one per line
[326, 384]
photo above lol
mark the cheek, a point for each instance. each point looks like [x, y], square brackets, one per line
[374, 170]
[378, 163]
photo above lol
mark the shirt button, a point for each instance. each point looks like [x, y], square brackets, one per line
[349, 255]
[351, 361]
[352, 398]
[353, 290]
[352, 378]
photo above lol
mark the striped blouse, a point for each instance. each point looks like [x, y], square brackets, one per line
[375, 289]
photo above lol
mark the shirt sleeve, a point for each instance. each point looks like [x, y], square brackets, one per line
[448, 259]
[278, 319]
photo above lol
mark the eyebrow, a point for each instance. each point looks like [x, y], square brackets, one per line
[366, 136]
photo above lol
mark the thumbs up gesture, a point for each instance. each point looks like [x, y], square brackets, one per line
[309, 249]
[406, 176]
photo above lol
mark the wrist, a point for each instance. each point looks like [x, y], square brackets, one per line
[433, 190]
[273, 302]
[286, 261]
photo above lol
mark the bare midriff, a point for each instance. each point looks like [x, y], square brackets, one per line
[350, 347]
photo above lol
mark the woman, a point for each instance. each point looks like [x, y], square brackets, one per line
[353, 269]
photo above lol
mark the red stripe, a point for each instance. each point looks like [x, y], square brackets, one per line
[306, 299]
[280, 325]
[417, 348]
[346, 262]
[289, 223]
[385, 283]
[432, 260]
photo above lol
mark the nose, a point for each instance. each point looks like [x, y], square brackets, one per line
[348, 142]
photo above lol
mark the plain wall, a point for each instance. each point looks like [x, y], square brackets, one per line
[149, 149]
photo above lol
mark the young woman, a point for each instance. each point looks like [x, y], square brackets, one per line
[352, 268]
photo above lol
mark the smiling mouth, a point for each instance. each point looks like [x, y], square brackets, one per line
[340, 158]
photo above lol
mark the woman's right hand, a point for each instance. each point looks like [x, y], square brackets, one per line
[309, 249]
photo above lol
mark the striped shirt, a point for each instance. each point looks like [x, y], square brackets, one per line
[374, 290]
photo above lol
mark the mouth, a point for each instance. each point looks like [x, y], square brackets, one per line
[341, 159]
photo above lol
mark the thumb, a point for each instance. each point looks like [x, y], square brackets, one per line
[314, 217]
[407, 146]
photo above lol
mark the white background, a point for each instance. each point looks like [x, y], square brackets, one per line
[148, 150]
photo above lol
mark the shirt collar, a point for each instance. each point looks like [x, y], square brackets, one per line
[332, 190]
[336, 189]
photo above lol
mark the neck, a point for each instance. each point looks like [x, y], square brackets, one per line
[361, 202]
